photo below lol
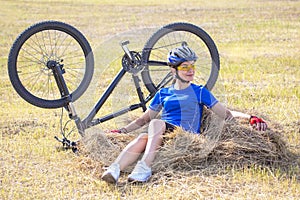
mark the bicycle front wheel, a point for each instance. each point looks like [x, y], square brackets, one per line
[44, 42]
[156, 73]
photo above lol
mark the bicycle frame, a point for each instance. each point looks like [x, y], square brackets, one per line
[130, 58]
[90, 121]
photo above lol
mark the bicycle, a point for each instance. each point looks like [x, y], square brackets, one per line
[51, 64]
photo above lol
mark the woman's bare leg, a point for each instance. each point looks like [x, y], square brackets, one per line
[132, 151]
[156, 129]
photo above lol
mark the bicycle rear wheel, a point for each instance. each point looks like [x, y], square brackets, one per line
[44, 42]
[156, 73]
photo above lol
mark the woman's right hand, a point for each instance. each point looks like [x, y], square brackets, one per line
[121, 130]
[115, 131]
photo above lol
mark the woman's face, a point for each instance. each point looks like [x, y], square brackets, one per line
[187, 70]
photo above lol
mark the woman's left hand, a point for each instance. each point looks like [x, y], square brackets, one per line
[258, 123]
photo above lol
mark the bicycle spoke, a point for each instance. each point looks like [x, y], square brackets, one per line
[165, 80]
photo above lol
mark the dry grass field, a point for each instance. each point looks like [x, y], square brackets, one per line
[259, 45]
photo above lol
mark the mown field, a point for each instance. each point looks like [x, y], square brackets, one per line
[259, 45]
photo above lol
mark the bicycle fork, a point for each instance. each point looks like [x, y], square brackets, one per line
[58, 72]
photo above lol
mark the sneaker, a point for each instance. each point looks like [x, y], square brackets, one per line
[111, 175]
[141, 173]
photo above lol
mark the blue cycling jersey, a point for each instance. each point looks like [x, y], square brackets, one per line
[183, 107]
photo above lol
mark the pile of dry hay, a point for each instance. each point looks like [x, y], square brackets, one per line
[219, 146]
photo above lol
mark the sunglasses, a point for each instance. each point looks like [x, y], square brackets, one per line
[186, 67]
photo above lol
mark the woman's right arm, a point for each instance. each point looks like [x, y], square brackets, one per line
[139, 122]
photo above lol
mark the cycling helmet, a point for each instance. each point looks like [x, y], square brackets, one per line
[181, 54]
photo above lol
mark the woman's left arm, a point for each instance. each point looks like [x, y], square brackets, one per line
[224, 113]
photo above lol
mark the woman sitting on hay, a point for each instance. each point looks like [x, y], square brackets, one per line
[181, 105]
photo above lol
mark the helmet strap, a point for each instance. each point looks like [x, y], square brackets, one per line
[179, 78]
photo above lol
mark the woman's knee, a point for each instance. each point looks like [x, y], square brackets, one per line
[142, 138]
[157, 126]
[138, 144]
[139, 140]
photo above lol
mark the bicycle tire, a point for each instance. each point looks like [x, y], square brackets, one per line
[156, 49]
[40, 43]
